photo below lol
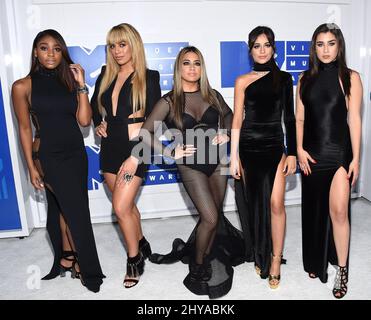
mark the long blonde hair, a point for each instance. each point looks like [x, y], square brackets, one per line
[125, 32]
[177, 94]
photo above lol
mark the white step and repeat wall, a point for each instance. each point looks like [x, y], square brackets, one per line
[218, 28]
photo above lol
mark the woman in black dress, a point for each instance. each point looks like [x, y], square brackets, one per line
[261, 97]
[199, 122]
[328, 115]
[55, 95]
[125, 93]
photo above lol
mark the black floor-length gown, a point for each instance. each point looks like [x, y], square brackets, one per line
[327, 140]
[261, 147]
[59, 153]
[204, 177]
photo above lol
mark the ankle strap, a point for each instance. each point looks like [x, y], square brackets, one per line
[68, 253]
[136, 259]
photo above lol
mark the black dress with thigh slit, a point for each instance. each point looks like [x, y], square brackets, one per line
[59, 153]
[327, 140]
[261, 147]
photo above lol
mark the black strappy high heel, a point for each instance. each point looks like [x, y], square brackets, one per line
[134, 269]
[69, 256]
[74, 273]
[341, 281]
[200, 272]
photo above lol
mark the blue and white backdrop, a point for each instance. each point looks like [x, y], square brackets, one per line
[218, 28]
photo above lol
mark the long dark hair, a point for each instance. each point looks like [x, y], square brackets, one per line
[312, 72]
[253, 35]
[177, 94]
[63, 70]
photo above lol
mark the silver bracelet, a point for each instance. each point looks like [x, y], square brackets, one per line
[83, 89]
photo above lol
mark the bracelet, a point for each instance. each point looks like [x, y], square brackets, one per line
[83, 89]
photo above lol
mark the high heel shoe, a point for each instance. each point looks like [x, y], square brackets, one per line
[198, 272]
[312, 275]
[134, 269]
[274, 280]
[76, 274]
[145, 248]
[341, 281]
[258, 270]
[69, 256]
[196, 280]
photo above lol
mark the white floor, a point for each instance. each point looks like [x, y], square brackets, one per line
[22, 262]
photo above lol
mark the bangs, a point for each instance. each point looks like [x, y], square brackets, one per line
[116, 35]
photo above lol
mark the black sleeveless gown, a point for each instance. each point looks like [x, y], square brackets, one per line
[261, 147]
[59, 154]
[327, 140]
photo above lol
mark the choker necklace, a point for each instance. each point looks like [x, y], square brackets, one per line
[260, 73]
[264, 68]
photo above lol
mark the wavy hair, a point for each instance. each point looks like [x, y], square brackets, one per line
[177, 94]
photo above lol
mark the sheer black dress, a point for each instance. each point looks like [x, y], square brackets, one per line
[327, 140]
[261, 147]
[60, 156]
[214, 243]
[117, 146]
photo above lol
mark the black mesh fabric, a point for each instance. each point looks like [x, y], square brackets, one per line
[214, 245]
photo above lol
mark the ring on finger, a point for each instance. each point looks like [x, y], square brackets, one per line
[127, 177]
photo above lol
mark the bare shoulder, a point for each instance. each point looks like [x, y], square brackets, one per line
[22, 86]
[244, 80]
[354, 76]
